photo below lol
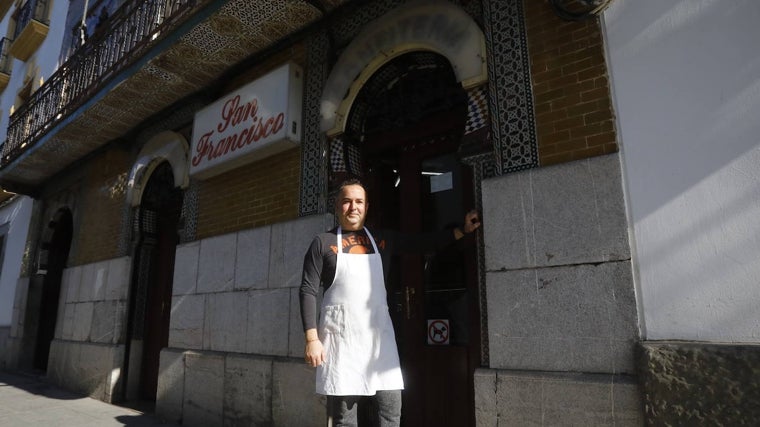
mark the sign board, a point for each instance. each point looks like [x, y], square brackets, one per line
[256, 121]
[441, 182]
[438, 332]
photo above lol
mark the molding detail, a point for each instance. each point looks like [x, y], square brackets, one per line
[169, 146]
[434, 26]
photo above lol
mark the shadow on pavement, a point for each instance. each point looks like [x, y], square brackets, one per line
[35, 383]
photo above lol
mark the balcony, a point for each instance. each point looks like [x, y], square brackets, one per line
[4, 6]
[31, 28]
[148, 56]
[6, 64]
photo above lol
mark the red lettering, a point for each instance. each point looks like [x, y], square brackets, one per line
[232, 115]
[227, 112]
[203, 148]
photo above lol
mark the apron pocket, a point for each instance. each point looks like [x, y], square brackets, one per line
[333, 319]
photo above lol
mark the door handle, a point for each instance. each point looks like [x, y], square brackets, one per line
[409, 293]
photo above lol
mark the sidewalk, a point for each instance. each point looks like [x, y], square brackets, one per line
[27, 400]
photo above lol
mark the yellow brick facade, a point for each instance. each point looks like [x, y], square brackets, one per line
[574, 114]
[257, 194]
[98, 227]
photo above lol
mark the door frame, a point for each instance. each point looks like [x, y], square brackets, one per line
[147, 302]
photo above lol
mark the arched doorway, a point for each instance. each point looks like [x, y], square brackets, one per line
[55, 251]
[406, 126]
[156, 238]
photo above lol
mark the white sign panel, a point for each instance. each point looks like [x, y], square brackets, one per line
[256, 121]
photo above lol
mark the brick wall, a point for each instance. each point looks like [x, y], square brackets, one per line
[97, 230]
[257, 194]
[574, 116]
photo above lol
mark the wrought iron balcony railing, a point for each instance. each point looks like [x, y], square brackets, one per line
[6, 65]
[130, 32]
[31, 9]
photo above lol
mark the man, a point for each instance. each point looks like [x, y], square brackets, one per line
[353, 347]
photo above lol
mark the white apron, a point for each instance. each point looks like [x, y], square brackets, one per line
[356, 330]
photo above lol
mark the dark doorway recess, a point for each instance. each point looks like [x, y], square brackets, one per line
[156, 223]
[57, 250]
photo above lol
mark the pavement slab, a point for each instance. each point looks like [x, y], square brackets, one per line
[30, 400]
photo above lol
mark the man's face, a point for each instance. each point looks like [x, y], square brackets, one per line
[352, 207]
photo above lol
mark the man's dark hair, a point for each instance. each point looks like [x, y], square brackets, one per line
[350, 181]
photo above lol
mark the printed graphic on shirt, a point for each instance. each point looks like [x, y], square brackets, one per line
[357, 244]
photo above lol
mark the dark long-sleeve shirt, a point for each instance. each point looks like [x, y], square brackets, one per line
[321, 258]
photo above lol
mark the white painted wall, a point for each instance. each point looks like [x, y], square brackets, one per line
[45, 59]
[686, 84]
[17, 214]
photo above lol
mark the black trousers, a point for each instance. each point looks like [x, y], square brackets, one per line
[342, 410]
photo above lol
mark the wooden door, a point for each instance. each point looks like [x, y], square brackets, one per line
[417, 188]
[159, 215]
[158, 310]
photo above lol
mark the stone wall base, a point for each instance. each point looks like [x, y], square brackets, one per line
[11, 356]
[521, 398]
[198, 388]
[87, 368]
[693, 383]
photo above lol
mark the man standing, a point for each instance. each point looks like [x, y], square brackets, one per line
[354, 346]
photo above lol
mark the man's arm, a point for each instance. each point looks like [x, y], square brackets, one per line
[435, 241]
[312, 271]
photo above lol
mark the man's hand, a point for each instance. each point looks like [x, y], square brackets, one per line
[471, 221]
[314, 354]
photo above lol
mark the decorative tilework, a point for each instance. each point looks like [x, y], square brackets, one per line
[345, 157]
[125, 235]
[352, 23]
[354, 159]
[337, 161]
[189, 216]
[477, 109]
[314, 146]
[510, 97]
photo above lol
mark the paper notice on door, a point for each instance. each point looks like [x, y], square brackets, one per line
[441, 182]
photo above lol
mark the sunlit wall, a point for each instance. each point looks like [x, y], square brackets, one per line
[14, 223]
[686, 85]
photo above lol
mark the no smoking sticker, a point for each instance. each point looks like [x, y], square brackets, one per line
[438, 331]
